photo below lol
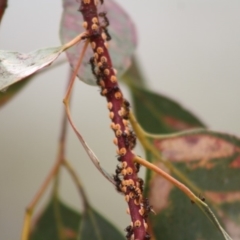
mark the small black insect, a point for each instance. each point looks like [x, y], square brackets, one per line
[118, 170]
[147, 236]
[201, 197]
[129, 230]
[141, 183]
[92, 63]
[113, 89]
[105, 19]
[137, 166]
[126, 103]
[118, 181]
[107, 34]
[119, 158]
[147, 208]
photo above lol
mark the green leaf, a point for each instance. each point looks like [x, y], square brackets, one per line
[56, 220]
[159, 114]
[95, 227]
[121, 29]
[210, 162]
[133, 75]
[15, 66]
[6, 96]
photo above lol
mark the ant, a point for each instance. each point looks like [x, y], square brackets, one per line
[104, 16]
[107, 34]
[201, 197]
[118, 170]
[126, 103]
[140, 181]
[132, 139]
[103, 67]
[147, 236]
[92, 63]
[137, 166]
[129, 230]
[118, 182]
[113, 89]
[147, 208]
[136, 191]
[125, 138]
[106, 24]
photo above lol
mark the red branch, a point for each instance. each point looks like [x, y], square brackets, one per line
[3, 6]
[127, 181]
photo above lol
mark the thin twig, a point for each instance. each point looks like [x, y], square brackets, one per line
[69, 90]
[168, 177]
[148, 146]
[37, 197]
[74, 41]
[53, 173]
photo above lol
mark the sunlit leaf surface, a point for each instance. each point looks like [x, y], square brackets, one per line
[121, 29]
[15, 66]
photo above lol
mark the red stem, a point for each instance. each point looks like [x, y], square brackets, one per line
[3, 6]
[128, 183]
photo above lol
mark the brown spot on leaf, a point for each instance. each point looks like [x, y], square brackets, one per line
[222, 197]
[69, 233]
[235, 163]
[195, 147]
[159, 191]
[176, 123]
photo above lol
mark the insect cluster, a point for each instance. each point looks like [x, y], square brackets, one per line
[125, 176]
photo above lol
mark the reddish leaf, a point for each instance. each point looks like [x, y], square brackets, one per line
[209, 160]
[121, 29]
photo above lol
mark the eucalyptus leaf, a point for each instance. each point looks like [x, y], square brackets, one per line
[121, 29]
[15, 66]
[57, 221]
[159, 114]
[211, 162]
[96, 227]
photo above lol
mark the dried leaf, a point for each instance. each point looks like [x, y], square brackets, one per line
[88, 150]
[121, 29]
